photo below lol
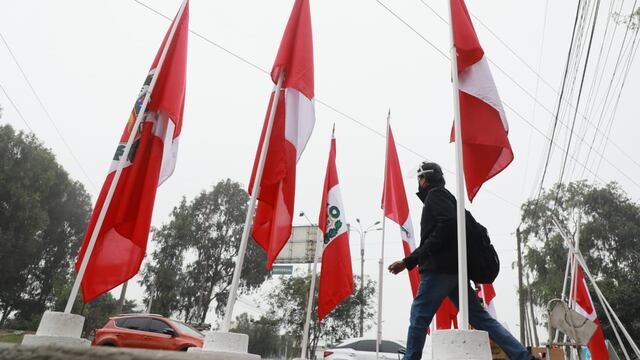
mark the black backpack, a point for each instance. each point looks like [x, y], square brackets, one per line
[483, 264]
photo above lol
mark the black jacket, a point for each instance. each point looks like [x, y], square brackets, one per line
[438, 250]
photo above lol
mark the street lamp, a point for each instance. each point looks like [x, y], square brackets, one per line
[302, 213]
[363, 233]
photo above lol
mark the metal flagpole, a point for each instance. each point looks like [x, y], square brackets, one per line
[574, 253]
[520, 286]
[233, 293]
[613, 326]
[312, 291]
[564, 287]
[606, 304]
[381, 261]
[463, 281]
[125, 155]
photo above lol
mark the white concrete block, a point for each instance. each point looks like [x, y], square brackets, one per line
[225, 341]
[461, 345]
[57, 328]
[38, 340]
[55, 323]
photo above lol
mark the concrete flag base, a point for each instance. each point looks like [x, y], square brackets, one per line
[225, 342]
[57, 328]
[461, 345]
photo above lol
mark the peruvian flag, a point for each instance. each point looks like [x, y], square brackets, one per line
[122, 239]
[584, 306]
[395, 206]
[447, 315]
[292, 127]
[336, 276]
[485, 145]
[487, 293]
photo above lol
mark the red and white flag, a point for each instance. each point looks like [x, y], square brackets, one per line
[485, 145]
[396, 207]
[292, 127]
[122, 240]
[336, 276]
[584, 306]
[447, 315]
[487, 293]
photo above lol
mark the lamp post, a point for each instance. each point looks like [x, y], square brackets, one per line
[363, 233]
[318, 249]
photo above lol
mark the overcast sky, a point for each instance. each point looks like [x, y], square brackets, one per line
[88, 59]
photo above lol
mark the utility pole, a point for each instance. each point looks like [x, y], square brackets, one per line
[122, 297]
[520, 289]
[361, 283]
[536, 340]
[363, 233]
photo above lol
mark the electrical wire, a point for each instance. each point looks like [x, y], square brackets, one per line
[15, 107]
[325, 104]
[584, 72]
[44, 108]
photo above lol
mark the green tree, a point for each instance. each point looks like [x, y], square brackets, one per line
[43, 217]
[193, 262]
[609, 239]
[264, 338]
[288, 304]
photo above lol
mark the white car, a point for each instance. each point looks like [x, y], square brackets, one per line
[365, 349]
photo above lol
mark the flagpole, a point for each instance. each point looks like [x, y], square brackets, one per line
[572, 290]
[312, 288]
[381, 262]
[463, 281]
[312, 292]
[233, 293]
[125, 155]
[572, 252]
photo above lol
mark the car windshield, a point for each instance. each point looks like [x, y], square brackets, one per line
[186, 329]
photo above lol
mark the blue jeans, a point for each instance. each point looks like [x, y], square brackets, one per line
[433, 289]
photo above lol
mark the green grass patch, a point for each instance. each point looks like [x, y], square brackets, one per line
[11, 338]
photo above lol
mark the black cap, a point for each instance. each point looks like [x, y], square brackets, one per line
[429, 168]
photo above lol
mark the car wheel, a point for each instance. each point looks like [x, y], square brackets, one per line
[108, 344]
[184, 349]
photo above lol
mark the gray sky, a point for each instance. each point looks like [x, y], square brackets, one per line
[88, 59]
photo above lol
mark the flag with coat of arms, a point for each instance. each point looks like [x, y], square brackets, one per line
[336, 276]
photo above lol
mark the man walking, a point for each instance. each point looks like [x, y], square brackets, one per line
[437, 258]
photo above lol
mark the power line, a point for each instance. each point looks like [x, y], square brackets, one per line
[330, 107]
[44, 108]
[511, 107]
[15, 107]
[517, 56]
[533, 115]
[584, 72]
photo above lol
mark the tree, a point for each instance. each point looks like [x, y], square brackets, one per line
[264, 338]
[288, 304]
[609, 239]
[43, 217]
[193, 262]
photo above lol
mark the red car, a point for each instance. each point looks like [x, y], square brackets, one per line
[147, 331]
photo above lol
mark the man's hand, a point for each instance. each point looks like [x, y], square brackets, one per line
[397, 267]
